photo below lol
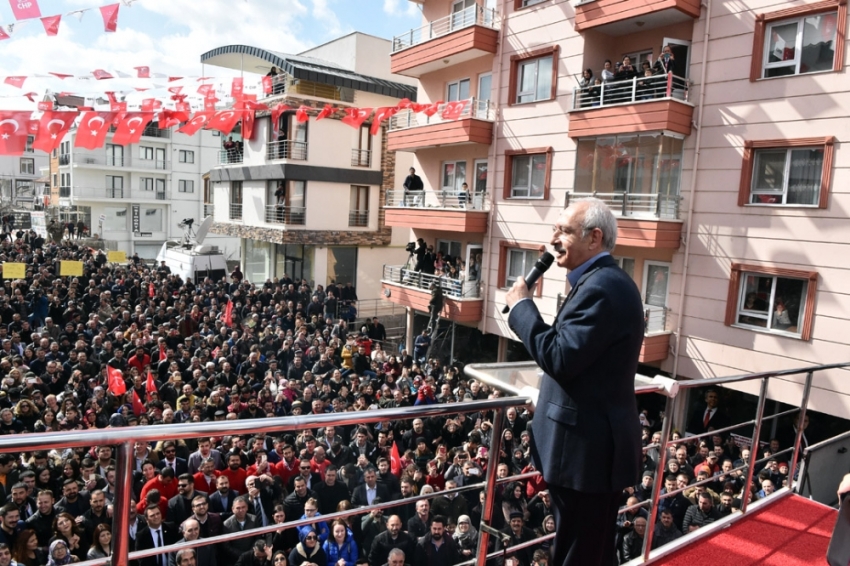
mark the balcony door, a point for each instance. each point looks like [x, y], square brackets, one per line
[656, 283]
[485, 86]
[463, 14]
[681, 49]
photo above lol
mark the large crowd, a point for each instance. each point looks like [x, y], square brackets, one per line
[185, 356]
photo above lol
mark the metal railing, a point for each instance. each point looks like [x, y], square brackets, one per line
[649, 205]
[655, 318]
[229, 157]
[629, 91]
[476, 15]
[452, 288]
[286, 215]
[361, 157]
[438, 199]
[236, 212]
[446, 112]
[115, 193]
[287, 149]
[153, 131]
[358, 218]
[209, 209]
[65, 159]
[118, 161]
[64, 192]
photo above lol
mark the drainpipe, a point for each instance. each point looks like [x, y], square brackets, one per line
[692, 189]
[491, 158]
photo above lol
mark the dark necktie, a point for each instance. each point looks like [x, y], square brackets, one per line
[160, 557]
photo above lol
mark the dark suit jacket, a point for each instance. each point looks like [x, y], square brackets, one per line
[180, 508]
[235, 547]
[586, 432]
[358, 497]
[717, 421]
[217, 506]
[182, 467]
[144, 541]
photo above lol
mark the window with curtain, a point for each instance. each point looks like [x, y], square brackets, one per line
[787, 176]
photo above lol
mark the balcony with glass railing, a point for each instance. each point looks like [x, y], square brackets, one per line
[285, 215]
[230, 157]
[640, 104]
[402, 285]
[452, 123]
[286, 149]
[451, 210]
[450, 40]
[126, 161]
[113, 193]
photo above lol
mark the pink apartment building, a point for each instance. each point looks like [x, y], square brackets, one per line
[724, 166]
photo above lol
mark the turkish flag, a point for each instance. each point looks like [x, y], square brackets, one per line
[61, 75]
[356, 116]
[433, 108]
[236, 87]
[215, 352]
[252, 104]
[150, 385]
[224, 121]
[91, 134]
[171, 118]
[403, 104]
[143, 72]
[151, 291]
[276, 112]
[45, 105]
[162, 352]
[196, 123]
[416, 107]
[110, 17]
[115, 381]
[3, 34]
[130, 127]
[51, 24]
[138, 407]
[381, 114]
[248, 123]
[395, 461]
[16, 82]
[267, 85]
[301, 114]
[326, 111]
[453, 110]
[100, 74]
[14, 128]
[25, 9]
[228, 314]
[52, 129]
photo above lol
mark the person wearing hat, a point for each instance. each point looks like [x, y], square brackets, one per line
[643, 491]
[516, 533]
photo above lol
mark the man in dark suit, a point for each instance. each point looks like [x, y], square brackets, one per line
[157, 534]
[180, 506]
[179, 465]
[586, 436]
[222, 500]
[367, 491]
[708, 416]
[241, 520]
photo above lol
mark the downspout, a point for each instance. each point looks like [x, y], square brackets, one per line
[491, 158]
[692, 190]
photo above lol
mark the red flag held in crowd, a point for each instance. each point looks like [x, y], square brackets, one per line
[214, 353]
[150, 385]
[356, 116]
[51, 24]
[151, 291]
[110, 17]
[224, 121]
[115, 381]
[130, 127]
[17, 82]
[228, 314]
[196, 123]
[14, 129]
[25, 10]
[138, 407]
[93, 128]
[52, 128]
[395, 461]
[453, 110]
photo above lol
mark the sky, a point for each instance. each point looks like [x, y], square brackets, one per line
[169, 36]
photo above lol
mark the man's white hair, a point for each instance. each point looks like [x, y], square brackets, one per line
[598, 215]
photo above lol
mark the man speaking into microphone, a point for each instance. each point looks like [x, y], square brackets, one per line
[586, 437]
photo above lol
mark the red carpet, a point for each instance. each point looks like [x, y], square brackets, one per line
[794, 531]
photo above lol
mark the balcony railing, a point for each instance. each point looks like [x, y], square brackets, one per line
[285, 85]
[64, 192]
[361, 157]
[636, 205]
[65, 159]
[286, 215]
[229, 157]
[118, 161]
[438, 199]
[358, 218]
[236, 212]
[209, 209]
[472, 108]
[630, 91]
[475, 15]
[113, 193]
[287, 149]
[452, 288]
[655, 318]
[153, 131]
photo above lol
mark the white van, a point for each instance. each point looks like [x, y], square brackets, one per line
[192, 259]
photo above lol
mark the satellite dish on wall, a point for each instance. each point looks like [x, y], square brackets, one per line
[203, 229]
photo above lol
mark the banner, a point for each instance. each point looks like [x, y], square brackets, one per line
[14, 270]
[25, 9]
[70, 269]
[116, 257]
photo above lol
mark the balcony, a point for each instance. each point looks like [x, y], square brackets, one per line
[235, 212]
[643, 220]
[361, 157]
[286, 149]
[656, 340]
[358, 218]
[285, 215]
[85, 193]
[209, 209]
[408, 288]
[409, 131]
[641, 104]
[229, 157]
[153, 131]
[449, 210]
[284, 85]
[65, 159]
[122, 161]
[64, 192]
[451, 40]
[614, 17]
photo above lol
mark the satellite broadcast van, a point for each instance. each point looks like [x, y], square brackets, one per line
[190, 258]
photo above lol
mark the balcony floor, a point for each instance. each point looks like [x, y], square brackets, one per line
[647, 116]
[464, 311]
[447, 219]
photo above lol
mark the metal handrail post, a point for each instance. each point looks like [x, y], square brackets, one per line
[666, 426]
[755, 444]
[490, 488]
[798, 438]
[121, 512]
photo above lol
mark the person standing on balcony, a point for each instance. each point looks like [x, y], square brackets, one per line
[665, 64]
[413, 184]
[586, 437]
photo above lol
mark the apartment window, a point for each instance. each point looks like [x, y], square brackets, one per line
[519, 4]
[534, 76]
[146, 153]
[359, 210]
[55, 180]
[627, 264]
[116, 219]
[457, 90]
[114, 186]
[772, 299]
[236, 200]
[186, 156]
[449, 248]
[114, 155]
[656, 283]
[515, 259]
[150, 220]
[184, 186]
[527, 173]
[146, 183]
[794, 172]
[799, 40]
[454, 175]
[30, 141]
[27, 166]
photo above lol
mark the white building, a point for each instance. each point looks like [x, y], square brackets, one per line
[19, 178]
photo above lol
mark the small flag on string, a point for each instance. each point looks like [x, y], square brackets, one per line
[110, 17]
[51, 24]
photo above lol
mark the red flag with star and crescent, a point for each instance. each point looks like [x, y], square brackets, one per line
[91, 133]
[356, 116]
[130, 127]
[14, 129]
[224, 121]
[171, 118]
[115, 381]
[138, 407]
[52, 129]
[276, 112]
[395, 461]
[162, 353]
[198, 121]
[381, 114]
[150, 385]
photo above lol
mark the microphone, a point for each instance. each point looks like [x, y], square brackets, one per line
[543, 263]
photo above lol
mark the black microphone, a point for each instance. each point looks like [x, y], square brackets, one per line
[543, 263]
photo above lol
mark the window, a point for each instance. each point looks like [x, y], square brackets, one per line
[627, 264]
[114, 155]
[145, 153]
[114, 186]
[116, 219]
[30, 141]
[527, 173]
[150, 220]
[787, 172]
[359, 207]
[342, 265]
[457, 90]
[236, 200]
[519, 262]
[515, 259]
[160, 189]
[27, 166]
[799, 40]
[184, 186]
[186, 156]
[519, 4]
[146, 183]
[656, 282]
[534, 76]
[454, 175]
[772, 299]
[449, 248]
[55, 180]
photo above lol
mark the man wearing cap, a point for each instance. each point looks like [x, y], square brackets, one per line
[516, 533]
[643, 491]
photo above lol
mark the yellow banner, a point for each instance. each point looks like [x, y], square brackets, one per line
[71, 268]
[116, 257]
[14, 270]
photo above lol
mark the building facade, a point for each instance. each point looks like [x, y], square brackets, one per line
[307, 198]
[724, 165]
[22, 179]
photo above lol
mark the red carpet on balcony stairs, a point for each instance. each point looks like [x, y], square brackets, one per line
[792, 532]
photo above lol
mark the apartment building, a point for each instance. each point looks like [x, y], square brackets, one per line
[22, 179]
[135, 196]
[306, 199]
[724, 168]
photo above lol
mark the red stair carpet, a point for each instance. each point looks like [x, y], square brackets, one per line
[791, 532]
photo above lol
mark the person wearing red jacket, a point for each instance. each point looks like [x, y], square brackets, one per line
[139, 360]
[287, 468]
[205, 479]
[235, 473]
[163, 482]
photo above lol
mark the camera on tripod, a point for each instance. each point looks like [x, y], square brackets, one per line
[410, 248]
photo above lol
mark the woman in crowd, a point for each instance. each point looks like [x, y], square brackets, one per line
[513, 501]
[66, 530]
[341, 550]
[466, 537]
[309, 551]
[26, 551]
[101, 544]
[59, 554]
[320, 527]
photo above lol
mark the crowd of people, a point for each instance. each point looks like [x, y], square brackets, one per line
[185, 357]
[651, 80]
